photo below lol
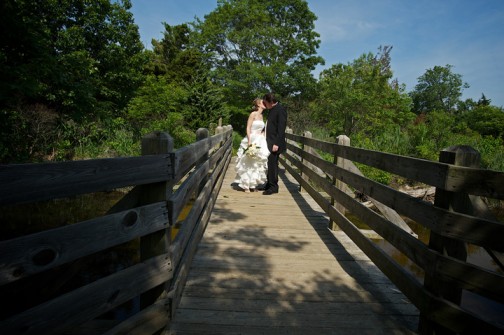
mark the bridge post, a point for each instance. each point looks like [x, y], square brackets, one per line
[306, 149]
[339, 161]
[201, 134]
[456, 202]
[156, 243]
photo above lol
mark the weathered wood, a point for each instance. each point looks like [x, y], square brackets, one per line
[191, 220]
[444, 176]
[479, 231]
[455, 248]
[89, 301]
[46, 181]
[27, 255]
[398, 237]
[304, 148]
[156, 243]
[259, 267]
[342, 140]
[192, 184]
[188, 156]
[142, 213]
[386, 211]
[183, 267]
[452, 315]
[148, 321]
[188, 188]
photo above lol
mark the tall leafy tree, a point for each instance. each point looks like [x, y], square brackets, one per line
[173, 56]
[181, 69]
[438, 89]
[260, 45]
[71, 62]
[362, 96]
[74, 55]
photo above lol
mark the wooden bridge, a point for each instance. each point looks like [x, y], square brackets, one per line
[210, 261]
[270, 265]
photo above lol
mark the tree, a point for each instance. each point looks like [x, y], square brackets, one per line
[438, 89]
[259, 45]
[362, 96]
[483, 101]
[181, 68]
[206, 103]
[78, 61]
[70, 54]
[486, 120]
[173, 56]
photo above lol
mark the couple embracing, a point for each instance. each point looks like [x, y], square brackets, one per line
[257, 164]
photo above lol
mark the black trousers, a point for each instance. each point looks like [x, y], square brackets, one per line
[273, 171]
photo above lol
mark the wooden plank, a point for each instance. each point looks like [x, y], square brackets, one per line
[189, 155]
[38, 252]
[437, 309]
[187, 226]
[183, 267]
[479, 280]
[187, 190]
[191, 185]
[479, 231]
[147, 321]
[89, 301]
[285, 274]
[400, 239]
[445, 176]
[22, 183]
[485, 183]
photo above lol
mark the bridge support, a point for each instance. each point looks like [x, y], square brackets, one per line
[156, 243]
[339, 161]
[456, 202]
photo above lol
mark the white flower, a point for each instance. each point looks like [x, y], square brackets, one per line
[252, 150]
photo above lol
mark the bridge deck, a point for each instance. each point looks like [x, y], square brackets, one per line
[269, 265]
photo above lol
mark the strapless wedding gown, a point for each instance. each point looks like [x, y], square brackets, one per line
[251, 169]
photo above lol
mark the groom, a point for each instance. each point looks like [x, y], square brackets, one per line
[275, 138]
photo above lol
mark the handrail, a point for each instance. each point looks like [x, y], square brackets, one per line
[164, 181]
[437, 303]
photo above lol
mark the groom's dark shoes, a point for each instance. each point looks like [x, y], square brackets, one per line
[270, 191]
[262, 187]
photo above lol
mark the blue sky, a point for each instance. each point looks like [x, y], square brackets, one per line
[468, 34]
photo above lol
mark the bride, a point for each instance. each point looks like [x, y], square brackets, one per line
[253, 152]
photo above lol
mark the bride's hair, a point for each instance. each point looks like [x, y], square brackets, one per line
[255, 106]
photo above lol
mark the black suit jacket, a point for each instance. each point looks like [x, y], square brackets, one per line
[275, 128]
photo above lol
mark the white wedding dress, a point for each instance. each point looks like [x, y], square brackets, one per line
[251, 169]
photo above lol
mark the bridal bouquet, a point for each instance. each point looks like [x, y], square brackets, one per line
[252, 150]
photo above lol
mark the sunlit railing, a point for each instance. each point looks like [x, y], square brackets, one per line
[458, 218]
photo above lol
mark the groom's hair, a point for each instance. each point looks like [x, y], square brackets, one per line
[270, 97]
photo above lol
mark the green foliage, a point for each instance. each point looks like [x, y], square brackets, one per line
[377, 175]
[362, 97]
[64, 62]
[159, 106]
[205, 103]
[174, 125]
[490, 148]
[74, 55]
[392, 139]
[237, 138]
[114, 138]
[259, 45]
[438, 89]
[486, 120]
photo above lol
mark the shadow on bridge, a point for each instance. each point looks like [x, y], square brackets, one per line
[269, 265]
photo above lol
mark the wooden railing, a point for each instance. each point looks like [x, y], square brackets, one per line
[457, 218]
[163, 182]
